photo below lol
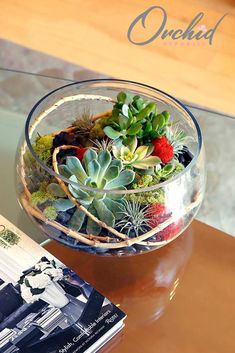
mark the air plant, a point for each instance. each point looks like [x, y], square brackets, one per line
[133, 156]
[84, 122]
[177, 138]
[102, 145]
[134, 218]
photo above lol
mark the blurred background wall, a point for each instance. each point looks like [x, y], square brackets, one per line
[93, 35]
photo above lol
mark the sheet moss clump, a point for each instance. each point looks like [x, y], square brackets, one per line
[50, 213]
[43, 146]
[39, 197]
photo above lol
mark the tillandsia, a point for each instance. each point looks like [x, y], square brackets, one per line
[110, 161]
[134, 218]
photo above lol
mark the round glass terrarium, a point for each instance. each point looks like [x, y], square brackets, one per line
[88, 190]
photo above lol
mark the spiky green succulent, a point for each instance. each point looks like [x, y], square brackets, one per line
[134, 156]
[134, 218]
[177, 137]
[102, 145]
[135, 117]
[96, 171]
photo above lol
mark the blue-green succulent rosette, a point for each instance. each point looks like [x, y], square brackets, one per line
[131, 147]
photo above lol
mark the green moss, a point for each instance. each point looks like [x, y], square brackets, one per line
[50, 213]
[43, 146]
[148, 197]
[144, 181]
[39, 197]
[97, 131]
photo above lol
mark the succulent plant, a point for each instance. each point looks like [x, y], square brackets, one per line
[96, 171]
[135, 117]
[133, 156]
[169, 170]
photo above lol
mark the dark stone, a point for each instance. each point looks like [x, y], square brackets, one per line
[185, 157]
[64, 138]
[63, 217]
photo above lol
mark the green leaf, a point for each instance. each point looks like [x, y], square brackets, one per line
[147, 127]
[104, 214]
[123, 120]
[104, 159]
[89, 155]
[125, 110]
[82, 196]
[56, 190]
[93, 169]
[111, 133]
[76, 168]
[111, 173]
[115, 113]
[139, 103]
[77, 219]
[64, 171]
[121, 97]
[63, 205]
[147, 162]
[92, 227]
[146, 111]
[141, 152]
[125, 178]
[134, 129]
[117, 163]
[166, 115]
[116, 207]
[158, 122]
[167, 169]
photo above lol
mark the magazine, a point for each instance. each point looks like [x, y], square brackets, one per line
[45, 307]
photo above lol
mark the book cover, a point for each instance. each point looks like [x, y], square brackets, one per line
[45, 307]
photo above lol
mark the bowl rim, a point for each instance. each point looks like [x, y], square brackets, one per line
[114, 191]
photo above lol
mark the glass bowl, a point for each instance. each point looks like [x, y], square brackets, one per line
[153, 216]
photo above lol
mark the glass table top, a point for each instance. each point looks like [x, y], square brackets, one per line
[19, 91]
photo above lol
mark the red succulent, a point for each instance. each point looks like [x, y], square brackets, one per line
[80, 153]
[163, 149]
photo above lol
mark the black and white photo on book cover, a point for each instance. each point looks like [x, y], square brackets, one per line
[44, 306]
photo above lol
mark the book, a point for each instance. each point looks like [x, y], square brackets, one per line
[45, 307]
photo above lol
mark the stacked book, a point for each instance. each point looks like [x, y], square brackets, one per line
[44, 306]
